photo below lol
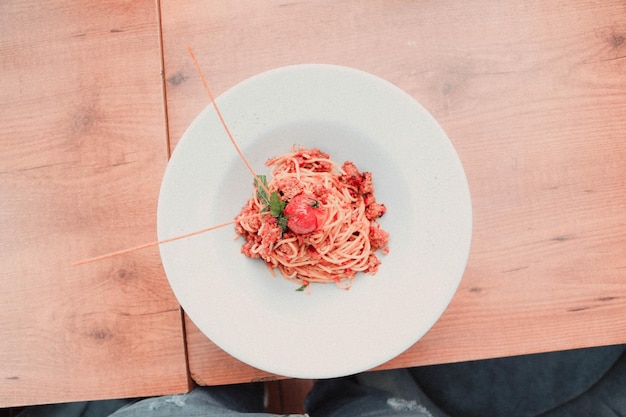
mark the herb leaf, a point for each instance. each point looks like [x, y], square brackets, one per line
[277, 206]
[277, 209]
[282, 222]
[272, 203]
[261, 187]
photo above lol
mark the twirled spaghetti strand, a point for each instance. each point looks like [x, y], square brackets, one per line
[346, 242]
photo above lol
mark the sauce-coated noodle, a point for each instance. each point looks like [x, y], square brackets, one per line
[347, 236]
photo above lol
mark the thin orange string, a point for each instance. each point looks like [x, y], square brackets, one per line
[149, 245]
[219, 114]
[208, 229]
[160, 242]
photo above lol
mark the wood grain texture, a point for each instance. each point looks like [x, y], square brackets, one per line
[84, 146]
[533, 96]
[287, 396]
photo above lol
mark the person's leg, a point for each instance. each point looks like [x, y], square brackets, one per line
[220, 401]
[607, 398]
[75, 409]
[371, 394]
[521, 386]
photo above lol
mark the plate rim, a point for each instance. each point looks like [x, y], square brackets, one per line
[322, 67]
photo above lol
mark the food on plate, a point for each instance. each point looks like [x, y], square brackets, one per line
[314, 220]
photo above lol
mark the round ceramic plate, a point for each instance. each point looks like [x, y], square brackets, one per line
[259, 318]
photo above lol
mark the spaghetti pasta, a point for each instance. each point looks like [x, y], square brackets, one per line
[328, 230]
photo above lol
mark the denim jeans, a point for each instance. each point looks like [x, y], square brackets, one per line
[590, 382]
[365, 395]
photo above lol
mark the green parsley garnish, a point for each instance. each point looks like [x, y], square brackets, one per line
[261, 187]
[272, 203]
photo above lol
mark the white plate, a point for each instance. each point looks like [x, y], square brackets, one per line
[261, 319]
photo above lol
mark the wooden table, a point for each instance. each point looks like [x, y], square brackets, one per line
[93, 96]
[533, 96]
[84, 146]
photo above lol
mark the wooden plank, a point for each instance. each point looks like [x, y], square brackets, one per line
[288, 396]
[532, 95]
[84, 147]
